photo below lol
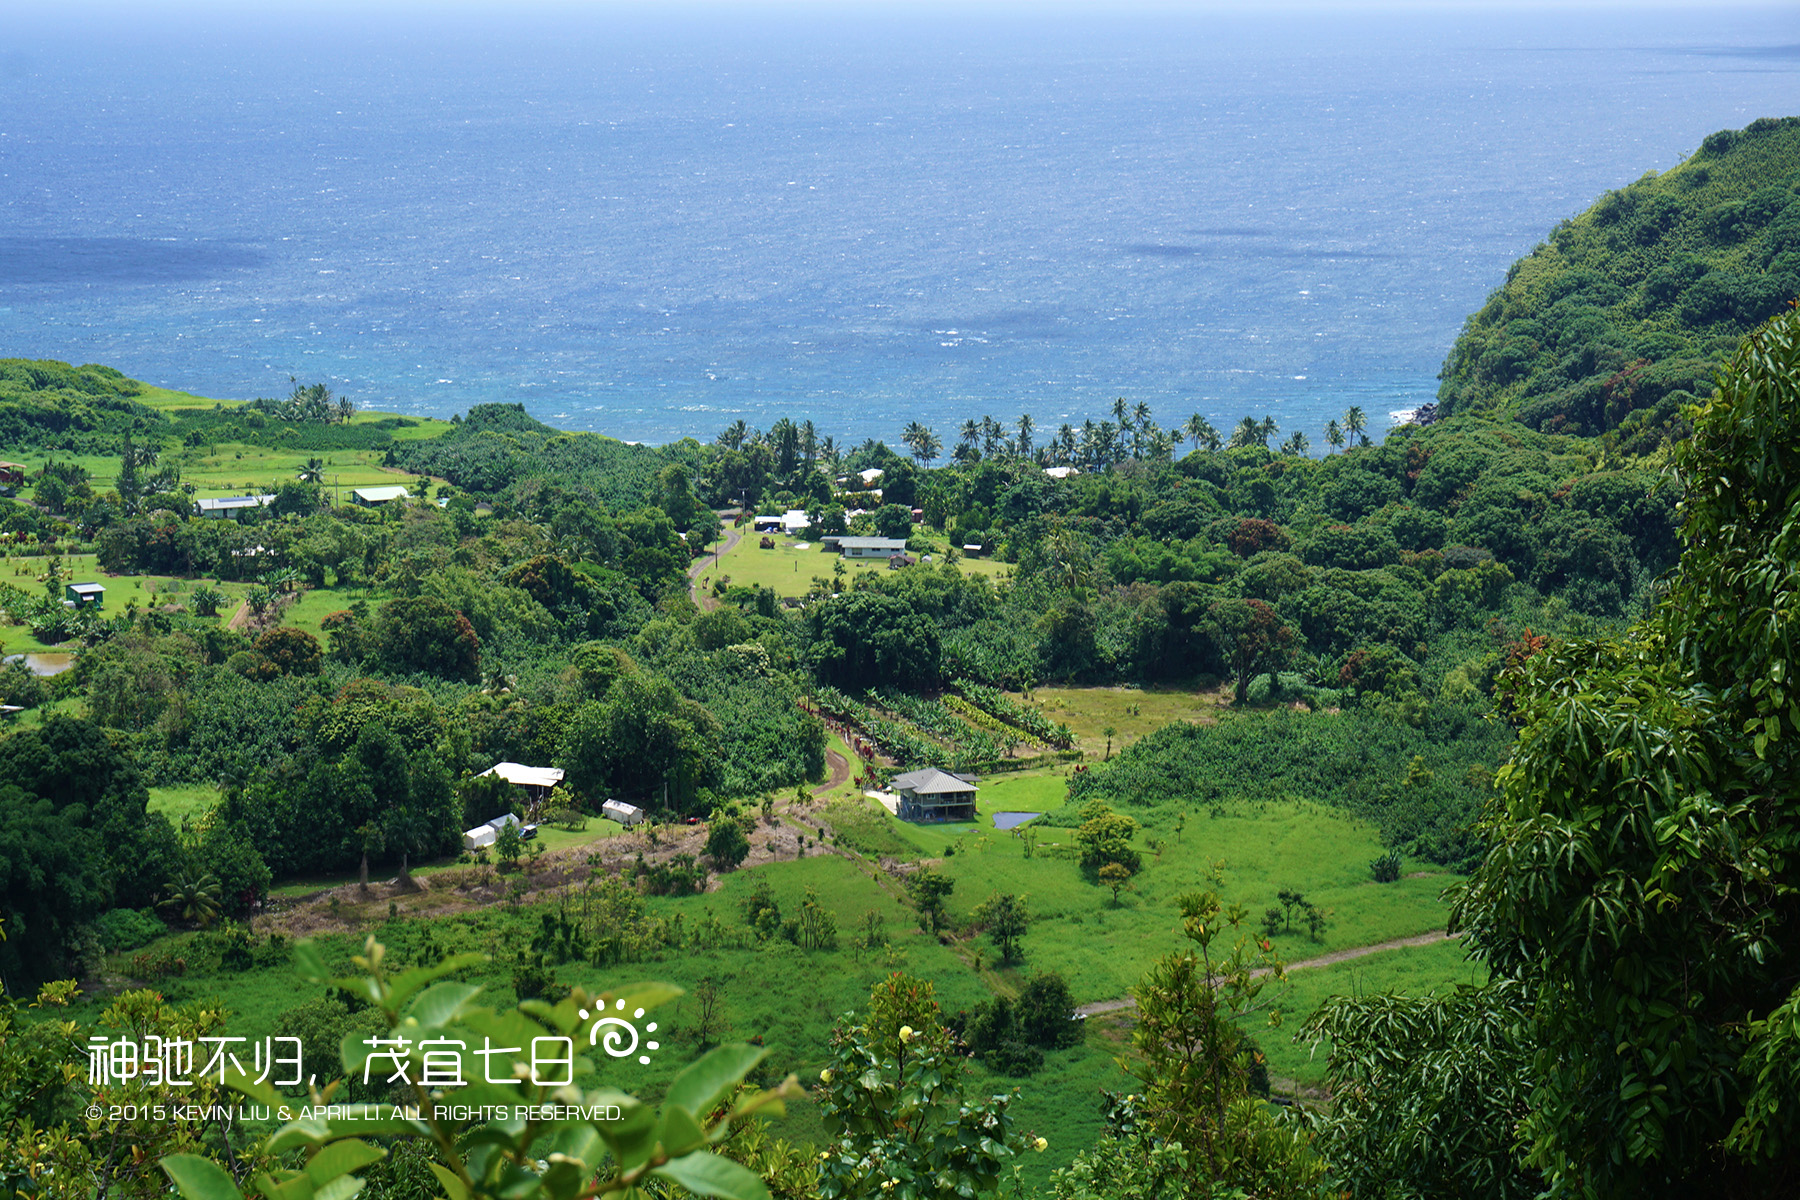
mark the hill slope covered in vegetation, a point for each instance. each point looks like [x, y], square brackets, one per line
[1627, 311]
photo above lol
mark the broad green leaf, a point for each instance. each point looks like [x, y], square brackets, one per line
[704, 1083]
[310, 963]
[199, 1178]
[709, 1175]
[453, 1187]
[341, 1158]
[679, 1131]
[402, 986]
[439, 1003]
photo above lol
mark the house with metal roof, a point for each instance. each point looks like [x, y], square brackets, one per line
[537, 781]
[934, 795]
[216, 507]
[369, 497]
[869, 547]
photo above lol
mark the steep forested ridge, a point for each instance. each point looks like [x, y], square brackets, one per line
[1627, 311]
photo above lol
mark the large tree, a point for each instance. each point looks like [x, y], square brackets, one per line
[1643, 881]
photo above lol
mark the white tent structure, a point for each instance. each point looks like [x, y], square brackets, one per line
[483, 836]
[625, 814]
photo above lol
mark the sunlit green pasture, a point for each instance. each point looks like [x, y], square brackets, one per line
[789, 571]
[1300, 847]
[1131, 712]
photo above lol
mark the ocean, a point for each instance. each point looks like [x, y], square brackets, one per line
[654, 222]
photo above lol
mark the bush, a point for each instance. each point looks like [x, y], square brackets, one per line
[1386, 869]
[128, 929]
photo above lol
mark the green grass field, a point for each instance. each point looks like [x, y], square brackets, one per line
[184, 801]
[1411, 970]
[1313, 850]
[788, 571]
[1131, 712]
[121, 591]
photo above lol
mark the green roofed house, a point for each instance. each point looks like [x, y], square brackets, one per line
[934, 795]
[84, 595]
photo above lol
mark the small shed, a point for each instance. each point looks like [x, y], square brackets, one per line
[625, 814]
[84, 595]
[372, 497]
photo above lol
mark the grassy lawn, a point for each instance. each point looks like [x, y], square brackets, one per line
[1411, 970]
[184, 801]
[121, 590]
[1307, 848]
[789, 571]
[1131, 712]
[315, 604]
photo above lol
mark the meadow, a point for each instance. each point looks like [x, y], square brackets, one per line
[788, 570]
[1131, 712]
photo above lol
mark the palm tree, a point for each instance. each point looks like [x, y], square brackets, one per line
[829, 454]
[992, 437]
[1201, 433]
[1269, 429]
[1334, 434]
[1140, 428]
[969, 434]
[345, 409]
[313, 471]
[1122, 412]
[1247, 433]
[1160, 444]
[1354, 424]
[193, 897]
[809, 445]
[923, 443]
[1026, 425]
[1297, 444]
[1066, 440]
[734, 435]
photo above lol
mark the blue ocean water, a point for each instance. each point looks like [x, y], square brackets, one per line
[651, 225]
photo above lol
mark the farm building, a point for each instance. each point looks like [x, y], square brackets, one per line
[84, 595]
[537, 781]
[934, 795]
[625, 814]
[484, 835]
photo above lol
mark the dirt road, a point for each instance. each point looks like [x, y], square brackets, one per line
[1324, 960]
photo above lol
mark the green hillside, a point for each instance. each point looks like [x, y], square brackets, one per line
[1629, 309]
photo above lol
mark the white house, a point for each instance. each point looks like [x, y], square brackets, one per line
[934, 795]
[229, 506]
[1061, 472]
[870, 475]
[625, 814]
[871, 547]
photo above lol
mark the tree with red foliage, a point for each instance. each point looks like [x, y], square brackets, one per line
[1251, 638]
